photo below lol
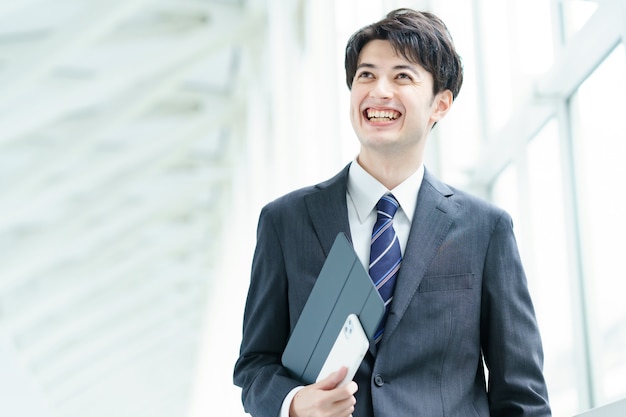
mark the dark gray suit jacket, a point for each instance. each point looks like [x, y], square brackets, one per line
[461, 300]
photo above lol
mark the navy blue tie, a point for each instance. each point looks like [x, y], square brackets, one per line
[385, 255]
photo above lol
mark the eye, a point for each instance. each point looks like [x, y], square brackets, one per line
[404, 76]
[365, 74]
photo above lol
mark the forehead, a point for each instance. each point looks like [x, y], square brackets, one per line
[381, 54]
[379, 49]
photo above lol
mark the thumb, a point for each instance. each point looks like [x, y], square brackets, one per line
[332, 380]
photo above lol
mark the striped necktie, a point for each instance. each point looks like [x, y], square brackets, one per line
[385, 255]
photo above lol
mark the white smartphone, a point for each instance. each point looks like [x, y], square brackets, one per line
[348, 350]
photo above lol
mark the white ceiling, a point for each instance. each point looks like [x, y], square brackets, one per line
[115, 121]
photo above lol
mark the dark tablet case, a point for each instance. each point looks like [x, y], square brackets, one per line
[342, 287]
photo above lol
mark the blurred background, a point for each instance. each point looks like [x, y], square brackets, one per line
[140, 138]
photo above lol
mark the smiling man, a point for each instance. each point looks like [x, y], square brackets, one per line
[455, 290]
[393, 107]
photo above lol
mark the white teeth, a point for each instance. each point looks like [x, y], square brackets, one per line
[382, 115]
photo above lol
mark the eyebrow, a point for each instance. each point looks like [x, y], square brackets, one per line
[397, 67]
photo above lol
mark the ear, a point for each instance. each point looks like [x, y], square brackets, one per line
[441, 105]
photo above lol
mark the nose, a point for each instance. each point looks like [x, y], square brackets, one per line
[382, 89]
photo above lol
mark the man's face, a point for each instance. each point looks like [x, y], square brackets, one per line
[392, 106]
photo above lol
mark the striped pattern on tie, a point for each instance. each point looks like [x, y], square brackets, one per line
[385, 255]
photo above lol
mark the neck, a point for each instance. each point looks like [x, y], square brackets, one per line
[389, 171]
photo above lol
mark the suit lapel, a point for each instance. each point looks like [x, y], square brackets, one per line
[432, 219]
[328, 211]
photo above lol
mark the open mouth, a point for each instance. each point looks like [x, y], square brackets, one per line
[381, 115]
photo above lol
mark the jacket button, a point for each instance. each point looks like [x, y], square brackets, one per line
[379, 381]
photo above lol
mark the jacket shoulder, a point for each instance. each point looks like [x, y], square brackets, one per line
[471, 207]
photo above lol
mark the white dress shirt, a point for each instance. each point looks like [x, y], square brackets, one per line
[362, 195]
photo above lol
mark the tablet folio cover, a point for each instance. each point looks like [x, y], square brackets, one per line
[342, 287]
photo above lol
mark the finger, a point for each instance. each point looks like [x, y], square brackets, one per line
[352, 387]
[345, 407]
[343, 397]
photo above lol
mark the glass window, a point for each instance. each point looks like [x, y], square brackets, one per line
[495, 48]
[505, 193]
[600, 152]
[530, 189]
[576, 13]
[548, 268]
[512, 55]
[535, 46]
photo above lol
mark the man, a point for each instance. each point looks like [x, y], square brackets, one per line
[460, 299]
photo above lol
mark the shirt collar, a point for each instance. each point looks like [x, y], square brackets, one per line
[365, 191]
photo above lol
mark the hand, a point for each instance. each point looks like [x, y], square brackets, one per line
[325, 398]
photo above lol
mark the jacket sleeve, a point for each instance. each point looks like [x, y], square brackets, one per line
[509, 333]
[258, 370]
